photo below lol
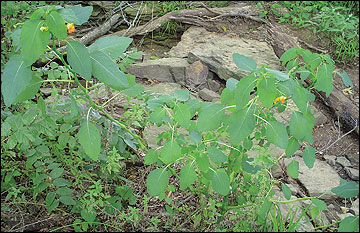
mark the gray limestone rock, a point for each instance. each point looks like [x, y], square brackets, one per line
[330, 159]
[354, 158]
[196, 75]
[355, 206]
[208, 95]
[163, 70]
[163, 88]
[343, 161]
[352, 173]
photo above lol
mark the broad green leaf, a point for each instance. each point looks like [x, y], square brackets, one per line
[309, 156]
[292, 147]
[187, 176]
[151, 157]
[210, 117]
[157, 181]
[349, 224]
[67, 200]
[193, 105]
[231, 84]
[41, 106]
[300, 99]
[241, 124]
[134, 88]
[253, 190]
[288, 55]
[247, 167]
[15, 79]
[114, 46]
[53, 206]
[278, 74]
[89, 139]
[79, 59]
[170, 152]
[37, 14]
[216, 155]
[243, 62]
[267, 91]
[347, 190]
[324, 79]
[88, 215]
[221, 182]
[226, 96]
[182, 115]
[182, 95]
[76, 14]
[312, 59]
[293, 169]
[202, 161]
[74, 107]
[314, 212]
[300, 128]
[61, 182]
[195, 137]
[56, 25]
[157, 115]
[106, 71]
[276, 134]
[243, 89]
[33, 41]
[50, 197]
[30, 90]
[319, 203]
[288, 87]
[42, 186]
[346, 79]
[64, 191]
[286, 190]
[56, 172]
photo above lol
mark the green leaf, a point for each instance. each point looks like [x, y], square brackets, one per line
[114, 46]
[67, 200]
[312, 59]
[314, 212]
[346, 79]
[216, 155]
[243, 89]
[15, 79]
[300, 128]
[347, 190]
[38, 13]
[76, 14]
[276, 134]
[278, 74]
[243, 62]
[79, 59]
[61, 182]
[267, 91]
[231, 84]
[64, 191]
[30, 90]
[157, 115]
[292, 147]
[157, 181]
[182, 95]
[293, 169]
[349, 224]
[221, 182]
[33, 41]
[300, 99]
[53, 206]
[193, 105]
[182, 115]
[320, 204]
[89, 139]
[74, 107]
[42, 186]
[50, 197]
[56, 25]
[106, 71]
[41, 106]
[170, 152]
[288, 55]
[187, 176]
[195, 137]
[227, 96]
[151, 157]
[88, 215]
[56, 172]
[241, 124]
[202, 161]
[286, 190]
[324, 79]
[309, 156]
[210, 117]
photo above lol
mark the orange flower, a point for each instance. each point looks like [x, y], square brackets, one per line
[70, 27]
[281, 99]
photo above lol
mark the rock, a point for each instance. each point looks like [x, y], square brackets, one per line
[343, 161]
[208, 95]
[354, 158]
[46, 91]
[214, 85]
[152, 132]
[163, 70]
[318, 179]
[320, 118]
[352, 173]
[330, 159]
[195, 75]
[163, 88]
[145, 12]
[355, 206]
[215, 51]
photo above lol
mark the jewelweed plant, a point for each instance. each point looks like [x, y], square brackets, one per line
[207, 142]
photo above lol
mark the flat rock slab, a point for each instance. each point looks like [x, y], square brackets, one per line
[215, 51]
[163, 70]
[318, 179]
[163, 88]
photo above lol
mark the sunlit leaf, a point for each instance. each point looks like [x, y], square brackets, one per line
[89, 138]
[187, 176]
[157, 181]
[79, 59]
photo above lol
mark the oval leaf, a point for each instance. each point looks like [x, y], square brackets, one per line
[210, 117]
[347, 190]
[76, 14]
[170, 152]
[267, 91]
[56, 25]
[242, 124]
[243, 89]
[89, 138]
[182, 115]
[187, 176]
[286, 190]
[216, 155]
[293, 169]
[243, 62]
[114, 46]
[79, 59]
[157, 181]
[67, 200]
[276, 134]
[309, 156]
[221, 182]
